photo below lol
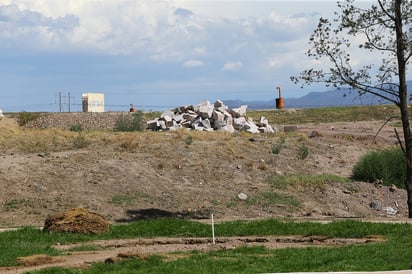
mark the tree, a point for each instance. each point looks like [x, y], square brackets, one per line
[386, 28]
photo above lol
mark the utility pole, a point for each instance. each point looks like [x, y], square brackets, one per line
[63, 100]
[60, 101]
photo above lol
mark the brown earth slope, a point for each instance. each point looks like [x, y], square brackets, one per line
[130, 176]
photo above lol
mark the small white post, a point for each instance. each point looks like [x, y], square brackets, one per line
[213, 231]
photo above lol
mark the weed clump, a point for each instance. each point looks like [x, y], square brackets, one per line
[76, 127]
[303, 152]
[130, 122]
[276, 148]
[80, 141]
[23, 118]
[189, 140]
[387, 165]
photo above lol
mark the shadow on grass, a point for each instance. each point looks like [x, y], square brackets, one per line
[156, 213]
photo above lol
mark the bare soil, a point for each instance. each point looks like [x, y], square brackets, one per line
[162, 174]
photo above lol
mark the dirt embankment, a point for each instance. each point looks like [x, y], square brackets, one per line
[134, 176]
[142, 175]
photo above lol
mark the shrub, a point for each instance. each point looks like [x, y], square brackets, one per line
[76, 127]
[276, 148]
[130, 122]
[387, 165]
[80, 141]
[189, 140]
[23, 118]
[303, 152]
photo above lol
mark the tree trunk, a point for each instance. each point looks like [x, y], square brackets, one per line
[403, 101]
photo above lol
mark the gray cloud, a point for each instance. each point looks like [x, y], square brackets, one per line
[13, 15]
[183, 12]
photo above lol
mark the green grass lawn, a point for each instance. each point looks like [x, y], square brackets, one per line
[392, 254]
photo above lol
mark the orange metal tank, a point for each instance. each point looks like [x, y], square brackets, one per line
[280, 103]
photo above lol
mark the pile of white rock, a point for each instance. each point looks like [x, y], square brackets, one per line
[209, 117]
[1, 114]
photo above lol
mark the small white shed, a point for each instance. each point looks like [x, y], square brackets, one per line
[93, 102]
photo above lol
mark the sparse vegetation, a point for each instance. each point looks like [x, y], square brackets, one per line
[130, 122]
[283, 182]
[303, 151]
[119, 199]
[189, 140]
[76, 127]
[80, 141]
[276, 148]
[13, 204]
[271, 198]
[130, 142]
[387, 165]
[23, 118]
[35, 140]
[327, 114]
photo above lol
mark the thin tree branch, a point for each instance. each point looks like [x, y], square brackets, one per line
[380, 129]
[399, 140]
[385, 11]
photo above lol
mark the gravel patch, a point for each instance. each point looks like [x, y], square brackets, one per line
[88, 120]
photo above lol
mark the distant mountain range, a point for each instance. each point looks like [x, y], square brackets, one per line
[316, 99]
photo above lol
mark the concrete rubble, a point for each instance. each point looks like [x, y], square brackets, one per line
[209, 117]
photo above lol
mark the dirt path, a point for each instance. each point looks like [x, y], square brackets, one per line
[115, 250]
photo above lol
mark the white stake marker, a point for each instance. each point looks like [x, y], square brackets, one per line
[213, 231]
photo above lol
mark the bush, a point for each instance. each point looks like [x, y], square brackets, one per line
[80, 141]
[130, 122]
[303, 152]
[276, 148]
[387, 165]
[189, 140]
[76, 128]
[23, 118]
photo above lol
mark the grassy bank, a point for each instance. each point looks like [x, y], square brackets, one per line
[327, 114]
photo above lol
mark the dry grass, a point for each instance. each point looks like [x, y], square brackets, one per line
[35, 140]
[223, 144]
[327, 114]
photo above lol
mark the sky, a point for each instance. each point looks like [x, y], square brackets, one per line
[153, 54]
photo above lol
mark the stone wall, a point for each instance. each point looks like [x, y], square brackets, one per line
[88, 120]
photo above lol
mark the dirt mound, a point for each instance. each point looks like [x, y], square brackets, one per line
[77, 220]
[6, 121]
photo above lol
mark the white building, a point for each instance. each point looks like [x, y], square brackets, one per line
[93, 102]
